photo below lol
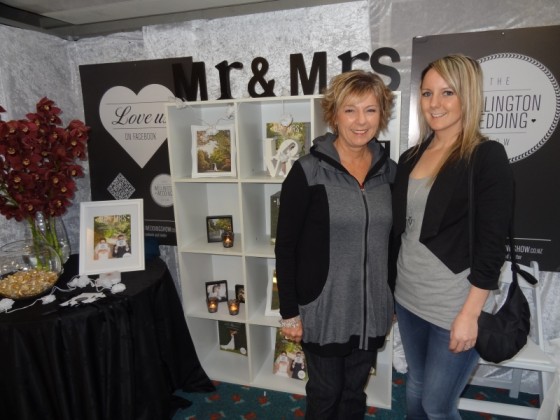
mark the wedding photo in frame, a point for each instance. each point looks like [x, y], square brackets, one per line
[213, 151]
[217, 225]
[284, 143]
[272, 299]
[217, 289]
[111, 236]
[240, 293]
[289, 359]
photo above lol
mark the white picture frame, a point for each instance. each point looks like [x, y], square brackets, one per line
[272, 300]
[111, 236]
[213, 151]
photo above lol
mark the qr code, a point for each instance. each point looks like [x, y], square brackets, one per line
[120, 188]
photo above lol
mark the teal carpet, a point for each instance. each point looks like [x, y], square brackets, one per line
[241, 402]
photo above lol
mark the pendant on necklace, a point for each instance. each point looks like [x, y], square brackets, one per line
[409, 221]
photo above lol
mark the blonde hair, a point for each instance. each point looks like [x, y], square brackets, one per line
[463, 74]
[356, 83]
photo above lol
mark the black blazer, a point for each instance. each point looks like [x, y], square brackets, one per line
[445, 230]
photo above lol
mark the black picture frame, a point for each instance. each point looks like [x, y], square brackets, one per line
[240, 293]
[218, 288]
[217, 225]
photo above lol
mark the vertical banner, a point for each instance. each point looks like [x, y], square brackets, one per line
[128, 153]
[521, 110]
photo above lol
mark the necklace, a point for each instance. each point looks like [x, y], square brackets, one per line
[410, 219]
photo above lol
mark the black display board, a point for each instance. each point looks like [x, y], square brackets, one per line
[521, 110]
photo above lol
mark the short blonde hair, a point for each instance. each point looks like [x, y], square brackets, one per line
[463, 74]
[357, 83]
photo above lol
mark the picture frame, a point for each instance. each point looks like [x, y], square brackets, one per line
[289, 358]
[213, 151]
[284, 144]
[218, 289]
[272, 299]
[111, 236]
[240, 293]
[232, 337]
[217, 225]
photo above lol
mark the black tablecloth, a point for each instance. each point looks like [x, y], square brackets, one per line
[119, 358]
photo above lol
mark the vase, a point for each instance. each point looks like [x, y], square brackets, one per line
[27, 269]
[51, 230]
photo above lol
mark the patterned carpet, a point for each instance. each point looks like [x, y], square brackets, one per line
[246, 403]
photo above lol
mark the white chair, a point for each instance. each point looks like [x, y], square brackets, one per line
[532, 357]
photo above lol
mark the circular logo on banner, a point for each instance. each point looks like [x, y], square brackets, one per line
[160, 189]
[521, 103]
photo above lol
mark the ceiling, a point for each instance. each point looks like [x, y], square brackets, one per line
[75, 19]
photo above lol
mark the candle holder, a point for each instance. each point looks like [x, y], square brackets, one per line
[212, 303]
[227, 239]
[233, 306]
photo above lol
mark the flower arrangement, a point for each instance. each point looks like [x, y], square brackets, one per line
[38, 164]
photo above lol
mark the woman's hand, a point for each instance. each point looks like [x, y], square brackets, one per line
[464, 331]
[292, 329]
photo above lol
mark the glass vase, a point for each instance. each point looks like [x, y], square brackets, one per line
[28, 269]
[51, 230]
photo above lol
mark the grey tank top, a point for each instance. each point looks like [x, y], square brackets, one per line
[425, 286]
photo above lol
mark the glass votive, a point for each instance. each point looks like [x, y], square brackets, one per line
[233, 306]
[212, 303]
[227, 239]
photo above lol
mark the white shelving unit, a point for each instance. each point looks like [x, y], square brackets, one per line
[246, 197]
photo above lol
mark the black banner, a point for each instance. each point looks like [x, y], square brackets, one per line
[128, 153]
[521, 110]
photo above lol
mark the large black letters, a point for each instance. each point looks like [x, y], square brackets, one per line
[318, 67]
[347, 59]
[187, 80]
[224, 68]
[392, 72]
[259, 66]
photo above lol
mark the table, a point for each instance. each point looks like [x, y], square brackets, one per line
[119, 358]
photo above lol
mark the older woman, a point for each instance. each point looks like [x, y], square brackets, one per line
[331, 247]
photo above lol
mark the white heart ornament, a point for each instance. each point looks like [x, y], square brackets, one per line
[136, 122]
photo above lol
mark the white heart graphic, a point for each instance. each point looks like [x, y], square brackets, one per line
[136, 122]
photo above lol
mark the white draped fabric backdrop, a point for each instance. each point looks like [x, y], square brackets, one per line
[33, 65]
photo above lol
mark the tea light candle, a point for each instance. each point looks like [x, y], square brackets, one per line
[212, 304]
[233, 306]
[227, 239]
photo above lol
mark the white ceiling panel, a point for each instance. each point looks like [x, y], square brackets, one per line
[79, 18]
[82, 12]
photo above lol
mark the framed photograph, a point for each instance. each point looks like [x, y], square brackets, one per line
[284, 144]
[217, 289]
[289, 359]
[216, 226]
[213, 151]
[111, 236]
[232, 337]
[240, 293]
[272, 299]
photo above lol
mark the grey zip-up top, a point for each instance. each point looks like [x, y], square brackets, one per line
[331, 250]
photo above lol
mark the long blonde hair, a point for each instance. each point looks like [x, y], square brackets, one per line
[464, 76]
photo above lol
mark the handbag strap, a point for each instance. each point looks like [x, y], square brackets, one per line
[471, 210]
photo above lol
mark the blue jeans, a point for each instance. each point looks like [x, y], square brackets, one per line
[436, 377]
[335, 388]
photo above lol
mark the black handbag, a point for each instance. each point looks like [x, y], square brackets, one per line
[503, 334]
